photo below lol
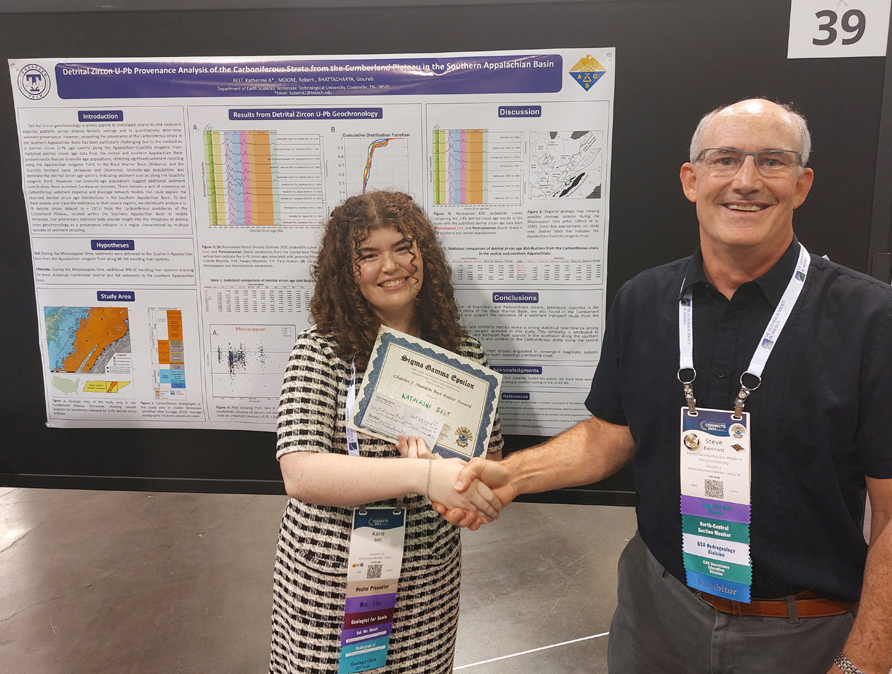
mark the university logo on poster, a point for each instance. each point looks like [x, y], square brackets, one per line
[34, 82]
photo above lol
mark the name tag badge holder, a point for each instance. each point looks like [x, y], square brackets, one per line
[373, 570]
[715, 461]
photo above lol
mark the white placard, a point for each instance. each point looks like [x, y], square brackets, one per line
[838, 28]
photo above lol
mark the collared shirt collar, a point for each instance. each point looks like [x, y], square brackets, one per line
[773, 282]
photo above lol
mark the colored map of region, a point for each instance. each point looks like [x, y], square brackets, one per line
[97, 386]
[86, 339]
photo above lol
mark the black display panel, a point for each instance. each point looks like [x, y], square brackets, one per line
[676, 60]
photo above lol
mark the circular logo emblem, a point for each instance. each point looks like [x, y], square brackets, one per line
[464, 436]
[737, 431]
[34, 82]
[691, 441]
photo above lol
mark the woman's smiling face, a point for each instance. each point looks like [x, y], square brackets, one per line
[390, 274]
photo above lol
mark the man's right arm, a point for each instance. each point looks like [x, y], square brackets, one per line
[589, 452]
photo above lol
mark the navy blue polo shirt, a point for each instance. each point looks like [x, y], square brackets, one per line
[820, 420]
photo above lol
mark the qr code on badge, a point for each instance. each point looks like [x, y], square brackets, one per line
[714, 488]
[374, 571]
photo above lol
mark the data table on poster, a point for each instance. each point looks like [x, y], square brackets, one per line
[264, 300]
[527, 272]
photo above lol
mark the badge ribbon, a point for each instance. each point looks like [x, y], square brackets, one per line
[373, 569]
[715, 461]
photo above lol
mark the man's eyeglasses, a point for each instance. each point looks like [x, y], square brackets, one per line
[727, 160]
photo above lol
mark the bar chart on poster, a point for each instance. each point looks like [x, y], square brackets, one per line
[257, 178]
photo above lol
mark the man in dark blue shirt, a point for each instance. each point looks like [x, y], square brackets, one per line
[818, 420]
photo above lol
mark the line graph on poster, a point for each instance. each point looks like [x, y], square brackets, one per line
[369, 162]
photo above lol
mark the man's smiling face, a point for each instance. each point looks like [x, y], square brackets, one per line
[747, 209]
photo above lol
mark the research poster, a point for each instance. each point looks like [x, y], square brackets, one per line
[175, 206]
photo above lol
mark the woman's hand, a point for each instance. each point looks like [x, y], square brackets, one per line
[479, 507]
[477, 497]
[414, 448]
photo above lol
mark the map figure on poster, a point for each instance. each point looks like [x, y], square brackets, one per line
[66, 386]
[86, 339]
[566, 165]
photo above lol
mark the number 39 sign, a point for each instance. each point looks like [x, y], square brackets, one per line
[838, 28]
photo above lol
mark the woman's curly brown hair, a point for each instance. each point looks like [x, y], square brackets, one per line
[339, 308]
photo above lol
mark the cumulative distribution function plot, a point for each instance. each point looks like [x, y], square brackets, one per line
[376, 163]
[168, 353]
[263, 178]
[477, 166]
[248, 361]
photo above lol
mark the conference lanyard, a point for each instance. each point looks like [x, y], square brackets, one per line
[352, 437]
[763, 350]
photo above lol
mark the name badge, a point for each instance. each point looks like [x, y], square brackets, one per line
[373, 569]
[715, 502]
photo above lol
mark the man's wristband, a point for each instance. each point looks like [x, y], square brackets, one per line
[845, 664]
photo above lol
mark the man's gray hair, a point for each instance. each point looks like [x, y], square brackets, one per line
[797, 119]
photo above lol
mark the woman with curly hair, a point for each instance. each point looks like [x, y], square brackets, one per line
[379, 264]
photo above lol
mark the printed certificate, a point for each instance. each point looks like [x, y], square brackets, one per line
[431, 386]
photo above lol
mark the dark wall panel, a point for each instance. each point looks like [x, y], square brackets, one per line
[676, 59]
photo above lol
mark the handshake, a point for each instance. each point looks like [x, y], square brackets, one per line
[465, 494]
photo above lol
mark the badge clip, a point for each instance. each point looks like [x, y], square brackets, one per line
[689, 389]
[745, 391]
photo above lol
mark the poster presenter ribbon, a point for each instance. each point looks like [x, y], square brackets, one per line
[373, 570]
[416, 388]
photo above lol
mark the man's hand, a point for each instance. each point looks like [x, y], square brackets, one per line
[495, 475]
[590, 451]
[869, 646]
[461, 518]
[415, 448]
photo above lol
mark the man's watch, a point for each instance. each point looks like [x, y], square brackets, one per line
[845, 664]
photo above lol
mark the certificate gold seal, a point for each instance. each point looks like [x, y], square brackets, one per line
[463, 436]
[691, 441]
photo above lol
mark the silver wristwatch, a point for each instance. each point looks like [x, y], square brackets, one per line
[846, 665]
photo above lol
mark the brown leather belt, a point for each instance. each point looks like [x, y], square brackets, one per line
[808, 605]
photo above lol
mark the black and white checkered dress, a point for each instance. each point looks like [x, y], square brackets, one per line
[310, 576]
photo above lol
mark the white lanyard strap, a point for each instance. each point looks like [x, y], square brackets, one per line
[686, 372]
[352, 437]
[763, 350]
